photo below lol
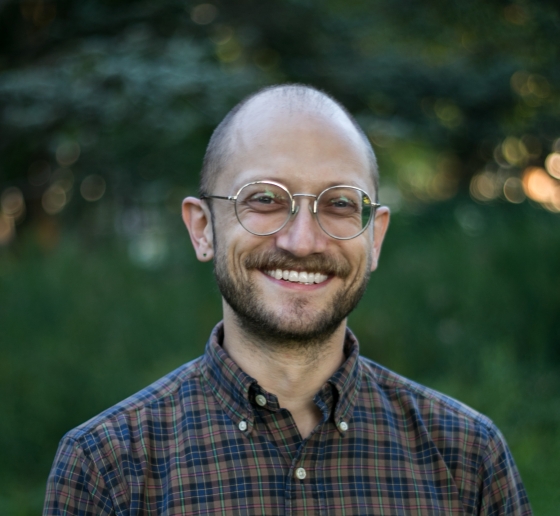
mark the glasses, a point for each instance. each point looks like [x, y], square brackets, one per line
[265, 207]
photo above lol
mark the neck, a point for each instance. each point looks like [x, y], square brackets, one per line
[292, 372]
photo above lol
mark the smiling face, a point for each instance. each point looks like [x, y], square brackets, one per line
[297, 285]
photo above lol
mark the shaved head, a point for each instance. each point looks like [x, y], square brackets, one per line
[292, 99]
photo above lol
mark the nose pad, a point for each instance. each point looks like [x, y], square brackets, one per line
[296, 209]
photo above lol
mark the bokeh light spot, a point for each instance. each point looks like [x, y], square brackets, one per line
[538, 85]
[54, 199]
[539, 186]
[532, 87]
[13, 203]
[93, 188]
[514, 151]
[513, 190]
[485, 186]
[499, 157]
[552, 164]
[203, 14]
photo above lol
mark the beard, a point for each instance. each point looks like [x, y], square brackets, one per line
[296, 326]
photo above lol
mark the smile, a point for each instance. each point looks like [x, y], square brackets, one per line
[307, 278]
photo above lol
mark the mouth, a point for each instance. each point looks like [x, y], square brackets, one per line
[303, 277]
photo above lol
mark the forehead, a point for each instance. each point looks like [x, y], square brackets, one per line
[302, 149]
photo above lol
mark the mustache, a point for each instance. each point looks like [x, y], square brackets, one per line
[280, 259]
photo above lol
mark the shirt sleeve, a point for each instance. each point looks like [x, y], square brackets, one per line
[502, 491]
[75, 486]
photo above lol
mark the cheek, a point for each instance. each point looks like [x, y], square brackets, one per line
[360, 256]
[224, 220]
[234, 244]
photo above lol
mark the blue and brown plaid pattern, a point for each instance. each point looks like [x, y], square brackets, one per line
[198, 442]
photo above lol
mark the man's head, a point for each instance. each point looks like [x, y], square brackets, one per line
[302, 139]
[291, 98]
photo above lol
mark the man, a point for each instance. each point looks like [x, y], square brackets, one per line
[281, 415]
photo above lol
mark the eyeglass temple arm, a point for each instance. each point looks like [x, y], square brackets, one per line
[228, 198]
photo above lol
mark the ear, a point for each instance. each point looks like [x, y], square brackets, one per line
[198, 219]
[380, 225]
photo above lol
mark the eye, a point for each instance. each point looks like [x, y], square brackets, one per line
[341, 203]
[263, 198]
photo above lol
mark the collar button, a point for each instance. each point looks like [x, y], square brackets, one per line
[261, 400]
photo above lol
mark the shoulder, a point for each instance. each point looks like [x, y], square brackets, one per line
[160, 400]
[98, 458]
[426, 423]
[441, 415]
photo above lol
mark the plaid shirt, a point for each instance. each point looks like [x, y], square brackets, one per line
[207, 439]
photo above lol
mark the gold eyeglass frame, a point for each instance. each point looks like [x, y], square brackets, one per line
[295, 208]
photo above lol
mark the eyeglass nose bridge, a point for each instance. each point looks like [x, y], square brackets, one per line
[312, 207]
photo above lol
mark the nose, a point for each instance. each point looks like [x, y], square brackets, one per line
[302, 235]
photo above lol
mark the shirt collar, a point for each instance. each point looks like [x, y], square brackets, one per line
[347, 379]
[235, 390]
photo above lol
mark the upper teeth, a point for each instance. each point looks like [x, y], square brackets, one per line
[298, 277]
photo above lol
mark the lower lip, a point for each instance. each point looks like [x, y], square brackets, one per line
[297, 286]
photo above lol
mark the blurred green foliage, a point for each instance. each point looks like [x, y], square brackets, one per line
[105, 111]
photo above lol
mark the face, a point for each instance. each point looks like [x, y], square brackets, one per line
[325, 277]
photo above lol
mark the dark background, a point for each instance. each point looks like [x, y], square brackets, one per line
[105, 111]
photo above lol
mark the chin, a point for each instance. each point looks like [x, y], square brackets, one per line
[301, 325]
[302, 333]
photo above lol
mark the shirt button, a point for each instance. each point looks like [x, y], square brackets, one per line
[343, 425]
[301, 473]
[243, 425]
[260, 399]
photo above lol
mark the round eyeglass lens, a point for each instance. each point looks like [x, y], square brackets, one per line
[263, 208]
[344, 212]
